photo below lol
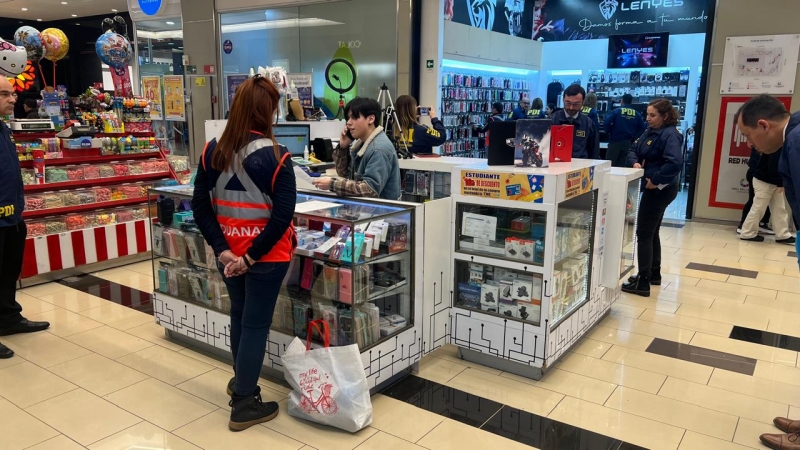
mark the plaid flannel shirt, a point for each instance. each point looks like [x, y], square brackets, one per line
[345, 187]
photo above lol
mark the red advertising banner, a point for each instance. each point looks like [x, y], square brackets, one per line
[122, 82]
[729, 187]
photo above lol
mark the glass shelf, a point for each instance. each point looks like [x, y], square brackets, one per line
[573, 255]
[494, 290]
[627, 261]
[503, 233]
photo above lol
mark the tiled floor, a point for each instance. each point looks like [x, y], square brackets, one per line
[705, 363]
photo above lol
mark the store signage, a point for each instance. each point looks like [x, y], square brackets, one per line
[151, 7]
[304, 83]
[151, 90]
[729, 187]
[227, 46]
[579, 182]
[760, 64]
[209, 69]
[174, 100]
[429, 64]
[233, 82]
[562, 20]
[503, 186]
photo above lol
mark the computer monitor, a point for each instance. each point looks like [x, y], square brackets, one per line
[295, 137]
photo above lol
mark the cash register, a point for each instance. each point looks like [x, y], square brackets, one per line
[31, 125]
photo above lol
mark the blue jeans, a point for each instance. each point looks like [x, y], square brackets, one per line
[253, 298]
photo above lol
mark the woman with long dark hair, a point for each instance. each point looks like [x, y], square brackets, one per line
[658, 152]
[420, 139]
[244, 200]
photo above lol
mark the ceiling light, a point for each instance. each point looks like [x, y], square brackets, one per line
[114, 10]
[74, 15]
[38, 20]
[171, 43]
[24, 9]
[78, 24]
[63, 3]
[170, 23]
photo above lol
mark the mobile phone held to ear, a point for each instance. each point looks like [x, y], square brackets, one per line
[423, 110]
[349, 134]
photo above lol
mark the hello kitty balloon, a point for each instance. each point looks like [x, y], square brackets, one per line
[12, 59]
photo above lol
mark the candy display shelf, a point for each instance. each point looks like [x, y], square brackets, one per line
[36, 188]
[92, 159]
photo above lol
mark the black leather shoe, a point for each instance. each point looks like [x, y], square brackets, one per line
[5, 352]
[24, 326]
[640, 287]
[231, 386]
[653, 281]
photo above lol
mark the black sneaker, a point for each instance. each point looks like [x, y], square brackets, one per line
[789, 240]
[641, 287]
[753, 239]
[764, 228]
[249, 410]
[231, 386]
[655, 280]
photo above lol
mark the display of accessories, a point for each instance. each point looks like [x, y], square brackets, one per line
[643, 84]
[502, 233]
[513, 294]
[352, 266]
[467, 100]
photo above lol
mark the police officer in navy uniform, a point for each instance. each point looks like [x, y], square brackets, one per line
[521, 111]
[623, 126]
[586, 142]
[12, 228]
[658, 152]
[590, 109]
[537, 109]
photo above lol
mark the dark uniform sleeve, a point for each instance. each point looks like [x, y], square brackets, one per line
[203, 211]
[430, 137]
[633, 153]
[593, 145]
[790, 171]
[608, 123]
[673, 158]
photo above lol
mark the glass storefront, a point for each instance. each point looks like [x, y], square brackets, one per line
[350, 47]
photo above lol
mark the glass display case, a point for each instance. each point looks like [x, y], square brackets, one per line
[628, 261]
[503, 233]
[353, 266]
[572, 250]
[508, 293]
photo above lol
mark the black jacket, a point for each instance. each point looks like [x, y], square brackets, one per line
[660, 153]
[423, 139]
[12, 200]
[767, 169]
[752, 163]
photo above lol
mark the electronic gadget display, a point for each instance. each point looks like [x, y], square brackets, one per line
[294, 137]
[638, 50]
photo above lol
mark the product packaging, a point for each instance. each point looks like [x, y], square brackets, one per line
[490, 295]
[469, 296]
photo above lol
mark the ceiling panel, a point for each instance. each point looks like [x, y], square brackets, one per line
[48, 10]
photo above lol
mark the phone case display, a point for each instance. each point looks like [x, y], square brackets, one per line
[499, 291]
[572, 249]
[352, 267]
[467, 100]
[502, 233]
[644, 85]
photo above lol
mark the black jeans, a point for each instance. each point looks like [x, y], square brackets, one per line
[253, 298]
[751, 194]
[618, 153]
[12, 248]
[651, 212]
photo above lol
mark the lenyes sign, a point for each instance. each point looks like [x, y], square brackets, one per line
[609, 7]
[151, 7]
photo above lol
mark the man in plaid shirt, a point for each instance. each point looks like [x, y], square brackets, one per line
[365, 158]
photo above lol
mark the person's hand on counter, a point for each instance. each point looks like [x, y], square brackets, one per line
[323, 183]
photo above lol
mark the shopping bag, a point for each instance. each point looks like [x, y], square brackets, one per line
[329, 383]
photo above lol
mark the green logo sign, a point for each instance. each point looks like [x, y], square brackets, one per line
[429, 64]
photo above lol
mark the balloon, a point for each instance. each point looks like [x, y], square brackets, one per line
[31, 39]
[56, 44]
[13, 59]
[107, 25]
[120, 26]
[113, 49]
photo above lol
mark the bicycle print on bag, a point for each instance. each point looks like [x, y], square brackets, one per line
[311, 381]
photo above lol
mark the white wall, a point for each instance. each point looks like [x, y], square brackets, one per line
[685, 50]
